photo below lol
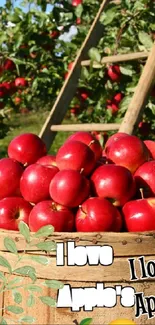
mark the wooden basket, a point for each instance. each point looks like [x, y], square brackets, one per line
[125, 245]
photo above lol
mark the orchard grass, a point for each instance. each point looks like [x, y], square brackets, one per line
[31, 122]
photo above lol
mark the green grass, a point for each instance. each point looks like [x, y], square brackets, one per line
[31, 122]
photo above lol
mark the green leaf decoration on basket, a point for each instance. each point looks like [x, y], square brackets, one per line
[30, 301]
[48, 301]
[5, 263]
[17, 297]
[33, 287]
[27, 319]
[54, 284]
[25, 270]
[40, 259]
[47, 246]
[3, 322]
[24, 230]
[15, 309]
[86, 321]
[10, 245]
[44, 231]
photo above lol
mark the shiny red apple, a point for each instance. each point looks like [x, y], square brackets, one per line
[140, 215]
[118, 97]
[114, 138]
[51, 213]
[9, 65]
[76, 3]
[128, 151]
[113, 108]
[26, 148]
[114, 72]
[95, 214]
[75, 155]
[88, 139]
[35, 181]
[113, 182]
[69, 188]
[10, 174]
[145, 178]
[118, 223]
[12, 211]
[48, 160]
[20, 82]
[151, 147]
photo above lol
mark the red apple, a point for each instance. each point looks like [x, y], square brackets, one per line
[118, 97]
[10, 174]
[75, 3]
[95, 214]
[20, 82]
[83, 94]
[151, 147]
[9, 65]
[35, 181]
[48, 160]
[78, 21]
[17, 100]
[54, 34]
[113, 108]
[26, 148]
[90, 140]
[140, 215]
[12, 211]
[75, 155]
[51, 213]
[114, 138]
[145, 176]
[70, 66]
[118, 223]
[114, 72]
[69, 188]
[128, 151]
[113, 182]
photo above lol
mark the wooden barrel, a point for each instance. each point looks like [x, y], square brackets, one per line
[125, 246]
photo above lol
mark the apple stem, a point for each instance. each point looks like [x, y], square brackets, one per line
[91, 142]
[80, 207]
[141, 193]
[54, 206]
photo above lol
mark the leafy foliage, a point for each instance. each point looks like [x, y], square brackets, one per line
[16, 284]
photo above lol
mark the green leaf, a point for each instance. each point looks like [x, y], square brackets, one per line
[3, 321]
[84, 73]
[47, 246]
[108, 16]
[53, 284]
[40, 259]
[86, 321]
[17, 297]
[2, 276]
[15, 309]
[30, 301]
[5, 263]
[24, 230]
[27, 319]
[79, 10]
[10, 245]
[16, 280]
[44, 231]
[126, 71]
[94, 54]
[48, 301]
[145, 39]
[25, 270]
[32, 276]
[33, 287]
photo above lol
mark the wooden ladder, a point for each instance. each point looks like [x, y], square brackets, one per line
[53, 122]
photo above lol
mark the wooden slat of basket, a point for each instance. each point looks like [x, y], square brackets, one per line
[135, 243]
[118, 58]
[67, 273]
[140, 96]
[86, 127]
[70, 85]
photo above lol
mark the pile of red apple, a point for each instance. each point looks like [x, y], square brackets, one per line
[84, 188]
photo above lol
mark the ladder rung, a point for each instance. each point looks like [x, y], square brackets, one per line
[118, 58]
[86, 127]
